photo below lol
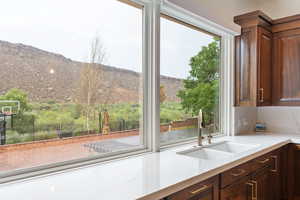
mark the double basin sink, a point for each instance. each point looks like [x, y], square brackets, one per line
[217, 151]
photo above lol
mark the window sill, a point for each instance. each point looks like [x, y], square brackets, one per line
[61, 167]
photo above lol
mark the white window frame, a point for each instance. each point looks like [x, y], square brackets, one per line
[146, 137]
[226, 65]
[151, 68]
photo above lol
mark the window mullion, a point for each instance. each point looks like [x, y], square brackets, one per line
[155, 75]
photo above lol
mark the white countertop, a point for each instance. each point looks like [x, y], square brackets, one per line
[150, 176]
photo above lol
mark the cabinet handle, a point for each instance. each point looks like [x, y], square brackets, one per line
[201, 189]
[253, 197]
[264, 161]
[276, 163]
[261, 100]
[297, 147]
[239, 173]
[253, 185]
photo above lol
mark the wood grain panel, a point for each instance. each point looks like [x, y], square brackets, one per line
[236, 173]
[262, 180]
[286, 76]
[246, 63]
[264, 93]
[297, 172]
[245, 71]
[285, 26]
[206, 190]
[239, 190]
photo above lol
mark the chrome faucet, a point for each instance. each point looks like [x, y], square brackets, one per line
[201, 125]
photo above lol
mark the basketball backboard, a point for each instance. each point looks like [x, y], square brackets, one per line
[10, 107]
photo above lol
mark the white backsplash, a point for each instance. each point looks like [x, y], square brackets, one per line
[244, 119]
[280, 119]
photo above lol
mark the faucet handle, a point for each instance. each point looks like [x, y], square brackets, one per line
[209, 137]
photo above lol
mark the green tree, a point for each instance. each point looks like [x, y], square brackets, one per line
[201, 88]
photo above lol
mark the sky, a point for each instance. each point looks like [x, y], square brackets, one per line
[67, 27]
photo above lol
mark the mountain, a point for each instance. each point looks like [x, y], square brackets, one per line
[49, 76]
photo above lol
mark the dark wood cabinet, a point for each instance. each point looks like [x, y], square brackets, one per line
[292, 177]
[244, 70]
[267, 69]
[240, 190]
[286, 90]
[207, 190]
[264, 68]
[263, 178]
[261, 188]
[284, 172]
[275, 175]
[253, 63]
[256, 179]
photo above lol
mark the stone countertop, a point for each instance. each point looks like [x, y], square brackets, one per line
[146, 177]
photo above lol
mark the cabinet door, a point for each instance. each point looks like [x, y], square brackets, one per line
[262, 184]
[207, 190]
[275, 175]
[296, 167]
[240, 190]
[264, 75]
[286, 71]
[246, 67]
[284, 172]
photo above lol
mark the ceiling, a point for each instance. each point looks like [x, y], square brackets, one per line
[222, 12]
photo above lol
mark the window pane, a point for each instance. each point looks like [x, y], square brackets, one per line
[71, 80]
[189, 80]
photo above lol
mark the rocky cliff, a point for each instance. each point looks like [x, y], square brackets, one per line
[49, 76]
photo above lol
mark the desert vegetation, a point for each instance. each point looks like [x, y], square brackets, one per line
[84, 112]
[47, 120]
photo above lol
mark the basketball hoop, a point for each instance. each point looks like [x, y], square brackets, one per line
[10, 107]
[7, 110]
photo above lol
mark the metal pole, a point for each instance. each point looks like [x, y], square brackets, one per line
[100, 122]
[33, 128]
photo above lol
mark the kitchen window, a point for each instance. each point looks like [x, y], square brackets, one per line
[104, 80]
[194, 70]
[71, 83]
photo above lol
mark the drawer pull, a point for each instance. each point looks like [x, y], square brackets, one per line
[261, 100]
[252, 190]
[239, 173]
[264, 161]
[203, 188]
[276, 164]
[297, 147]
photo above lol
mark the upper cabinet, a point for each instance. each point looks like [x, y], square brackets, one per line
[264, 73]
[253, 60]
[267, 70]
[286, 57]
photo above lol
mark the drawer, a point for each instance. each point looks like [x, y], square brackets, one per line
[235, 174]
[262, 161]
[206, 188]
[237, 190]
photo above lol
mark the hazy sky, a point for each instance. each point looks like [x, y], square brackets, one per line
[68, 26]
